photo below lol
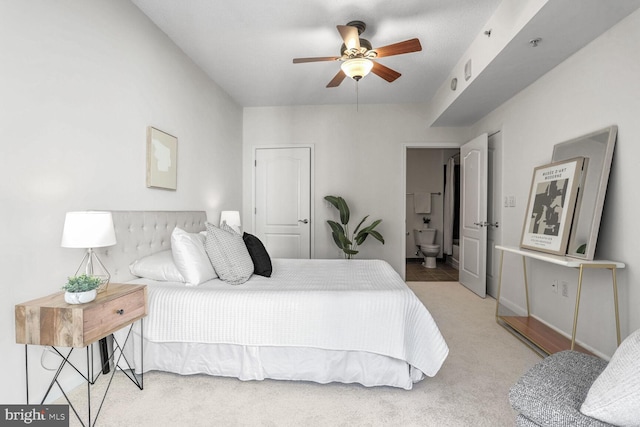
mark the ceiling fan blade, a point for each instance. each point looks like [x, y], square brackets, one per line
[350, 36]
[385, 72]
[337, 79]
[406, 46]
[317, 59]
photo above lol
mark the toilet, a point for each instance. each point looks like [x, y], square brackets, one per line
[425, 241]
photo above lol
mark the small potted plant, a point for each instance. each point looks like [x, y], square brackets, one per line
[81, 289]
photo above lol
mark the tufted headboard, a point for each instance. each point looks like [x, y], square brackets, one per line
[142, 233]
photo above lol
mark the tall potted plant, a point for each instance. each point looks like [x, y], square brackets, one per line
[347, 242]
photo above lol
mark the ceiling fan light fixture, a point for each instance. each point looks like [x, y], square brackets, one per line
[357, 68]
[356, 55]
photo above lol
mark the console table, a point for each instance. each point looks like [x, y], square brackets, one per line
[50, 321]
[536, 332]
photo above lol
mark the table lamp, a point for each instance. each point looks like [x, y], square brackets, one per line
[89, 230]
[232, 219]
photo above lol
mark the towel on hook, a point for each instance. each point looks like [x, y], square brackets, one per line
[422, 203]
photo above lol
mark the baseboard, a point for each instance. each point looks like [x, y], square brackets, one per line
[513, 308]
[452, 262]
[420, 260]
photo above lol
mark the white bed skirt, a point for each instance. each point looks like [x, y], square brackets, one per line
[279, 363]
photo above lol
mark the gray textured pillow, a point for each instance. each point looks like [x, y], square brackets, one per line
[614, 396]
[228, 254]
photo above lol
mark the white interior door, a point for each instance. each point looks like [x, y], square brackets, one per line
[282, 210]
[473, 218]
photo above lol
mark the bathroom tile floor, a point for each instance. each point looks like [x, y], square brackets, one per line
[416, 272]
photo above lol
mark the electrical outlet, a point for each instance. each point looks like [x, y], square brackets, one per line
[554, 286]
[565, 289]
[512, 201]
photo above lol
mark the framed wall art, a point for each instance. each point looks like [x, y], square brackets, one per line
[162, 159]
[552, 201]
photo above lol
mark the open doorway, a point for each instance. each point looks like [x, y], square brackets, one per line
[438, 153]
[432, 224]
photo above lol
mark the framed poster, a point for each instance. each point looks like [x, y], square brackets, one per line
[552, 200]
[162, 159]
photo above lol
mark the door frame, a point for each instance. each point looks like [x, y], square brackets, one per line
[312, 215]
[494, 211]
[403, 186]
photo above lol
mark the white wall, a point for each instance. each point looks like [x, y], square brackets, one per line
[595, 88]
[359, 155]
[79, 84]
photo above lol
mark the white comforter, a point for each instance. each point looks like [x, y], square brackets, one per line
[327, 304]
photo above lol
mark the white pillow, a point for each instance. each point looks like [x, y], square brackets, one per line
[614, 397]
[190, 257]
[158, 266]
[228, 254]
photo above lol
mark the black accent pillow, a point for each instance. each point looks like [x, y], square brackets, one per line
[259, 255]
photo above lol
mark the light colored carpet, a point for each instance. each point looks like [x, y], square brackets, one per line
[471, 389]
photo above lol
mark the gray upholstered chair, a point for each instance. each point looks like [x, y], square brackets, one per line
[575, 389]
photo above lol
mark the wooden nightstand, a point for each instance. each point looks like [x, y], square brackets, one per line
[52, 322]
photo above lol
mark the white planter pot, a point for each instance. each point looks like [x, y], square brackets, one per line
[80, 297]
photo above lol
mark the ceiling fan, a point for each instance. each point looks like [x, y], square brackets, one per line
[357, 55]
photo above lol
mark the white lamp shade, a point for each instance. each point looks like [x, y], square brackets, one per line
[88, 229]
[357, 68]
[232, 218]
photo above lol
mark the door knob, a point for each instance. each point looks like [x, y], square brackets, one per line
[304, 221]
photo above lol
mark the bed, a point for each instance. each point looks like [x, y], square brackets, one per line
[311, 320]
